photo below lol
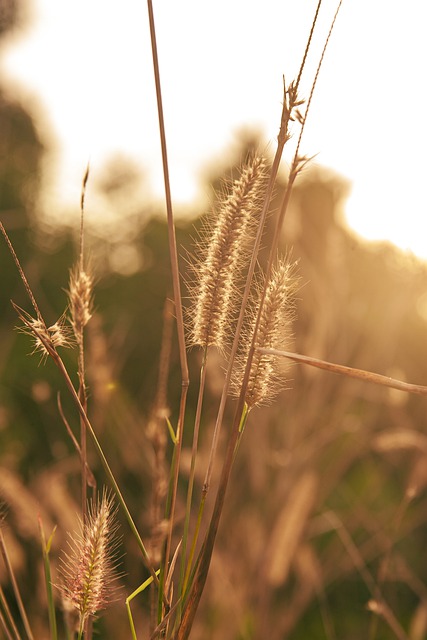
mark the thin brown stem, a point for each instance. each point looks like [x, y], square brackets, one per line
[175, 276]
[81, 365]
[15, 587]
[186, 571]
[7, 621]
[168, 198]
[316, 76]
[21, 272]
[307, 47]
[90, 477]
[360, 374]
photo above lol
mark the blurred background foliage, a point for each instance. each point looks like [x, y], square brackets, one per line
[328, 499]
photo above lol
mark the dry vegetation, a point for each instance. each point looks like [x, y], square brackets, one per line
[235, 509]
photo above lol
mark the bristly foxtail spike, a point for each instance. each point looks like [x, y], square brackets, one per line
[81, 281]
[80, 299]
[88, 571]
[275, 326]
[225, 245]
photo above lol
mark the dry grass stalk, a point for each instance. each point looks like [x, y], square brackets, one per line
[176, 282]
[21, 273]
[359, 374]
[11, 574]
[224, 247]
[7, 623]
[290, 103]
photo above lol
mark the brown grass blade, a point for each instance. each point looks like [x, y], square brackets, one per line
[173, 253]
[15, 587]
[360, 374]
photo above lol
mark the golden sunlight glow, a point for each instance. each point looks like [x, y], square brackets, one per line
[88, 66]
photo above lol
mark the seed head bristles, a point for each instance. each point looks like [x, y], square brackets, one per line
[80, 300]
[278, 312]
[88, 571]
[225, 246]
[46, 339]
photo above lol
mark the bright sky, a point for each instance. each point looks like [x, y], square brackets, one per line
[88, 64]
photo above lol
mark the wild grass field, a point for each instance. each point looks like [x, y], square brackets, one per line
[180, 456]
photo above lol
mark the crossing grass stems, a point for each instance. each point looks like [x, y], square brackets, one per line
[237, 310]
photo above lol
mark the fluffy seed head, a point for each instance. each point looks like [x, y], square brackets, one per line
[46, 339]
[224, 246]
[88, 571]
[274, 331]
[80, 299]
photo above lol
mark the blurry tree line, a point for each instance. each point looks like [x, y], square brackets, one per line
[328, 501]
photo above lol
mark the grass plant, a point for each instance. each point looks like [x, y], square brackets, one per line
[243, 314]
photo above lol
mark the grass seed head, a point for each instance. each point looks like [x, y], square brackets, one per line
[80, 299]
[88, 571]
[274, 331]
[224, 246]
[45, 339]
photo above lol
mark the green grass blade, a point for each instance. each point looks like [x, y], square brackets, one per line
[46, 546]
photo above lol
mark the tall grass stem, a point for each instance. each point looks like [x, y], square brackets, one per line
[175, 275]
[16, 591]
